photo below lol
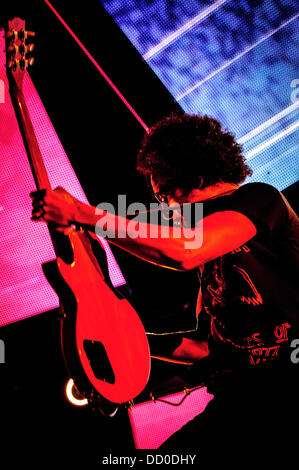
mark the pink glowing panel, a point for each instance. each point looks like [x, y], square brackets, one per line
[154, 422]
[25, 245]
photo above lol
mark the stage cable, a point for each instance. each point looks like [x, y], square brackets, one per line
[98, 67]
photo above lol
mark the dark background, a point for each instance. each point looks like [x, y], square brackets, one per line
[101, 139]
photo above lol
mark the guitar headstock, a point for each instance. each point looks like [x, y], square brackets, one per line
[17, 49]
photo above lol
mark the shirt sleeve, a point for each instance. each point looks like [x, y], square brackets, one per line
[263, 205]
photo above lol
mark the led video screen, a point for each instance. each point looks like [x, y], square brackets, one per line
[234, 60]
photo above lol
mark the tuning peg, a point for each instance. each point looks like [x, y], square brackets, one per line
[12, 34]
[13, 49]
[29, 47]
[25, 63]
[22, 35]
[11, 64]
[23, 48]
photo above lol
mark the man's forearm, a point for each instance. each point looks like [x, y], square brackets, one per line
[166, 249]
[174, 247]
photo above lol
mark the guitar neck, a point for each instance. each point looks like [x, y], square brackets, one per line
[30, 141]
[16, 66]
[34, 155]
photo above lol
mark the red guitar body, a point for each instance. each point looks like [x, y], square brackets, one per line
[103, 340]
[100, 329]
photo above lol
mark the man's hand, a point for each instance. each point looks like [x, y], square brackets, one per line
[56, 206]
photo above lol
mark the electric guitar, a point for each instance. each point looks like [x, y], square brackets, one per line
[104, 343]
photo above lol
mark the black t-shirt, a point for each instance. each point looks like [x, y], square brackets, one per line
[252, 292]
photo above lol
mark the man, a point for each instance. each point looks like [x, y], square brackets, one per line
[248, 260]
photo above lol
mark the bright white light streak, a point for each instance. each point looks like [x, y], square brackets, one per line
[267, 143]
[183, 29]
[237, 57]
[270, 163]
[268, 123]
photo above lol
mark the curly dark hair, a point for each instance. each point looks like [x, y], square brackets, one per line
[190, 151]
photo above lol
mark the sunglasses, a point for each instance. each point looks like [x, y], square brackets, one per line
[159, 195]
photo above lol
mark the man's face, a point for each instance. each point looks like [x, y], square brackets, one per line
[156, 190]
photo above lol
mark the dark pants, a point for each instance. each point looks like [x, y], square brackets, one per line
[252, 418]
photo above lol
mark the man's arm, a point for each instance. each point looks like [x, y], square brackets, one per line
[216, 235]
[219, 233]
